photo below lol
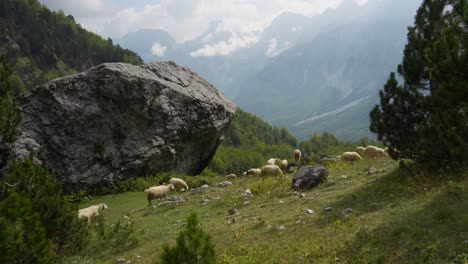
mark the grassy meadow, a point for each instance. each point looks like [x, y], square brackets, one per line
[399, 215]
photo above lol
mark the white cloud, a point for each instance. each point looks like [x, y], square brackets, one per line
[296, 29]
[271, 51]
[224, 48]
[158, 49]
[361, 2]
[183, 19]
[186, 20]
[82, 8]
[274, 49]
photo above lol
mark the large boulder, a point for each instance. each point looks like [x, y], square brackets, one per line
[307, 177]
[118, 121]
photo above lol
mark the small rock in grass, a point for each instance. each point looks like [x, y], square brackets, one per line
[302, 195]
[225, 184]
[247, 193]
[138, 256]
[344, 177]
[269, 227]
[120, 260]
[280, 228]
[205, 186]
[330, 183]
[346, 211]
[232, 221]
[233, 211]
[308, 211]
[371, 170]
[281, 202]
[205, 200]
[245, 203]
[177, 199]
[328, 209]
[197, 190]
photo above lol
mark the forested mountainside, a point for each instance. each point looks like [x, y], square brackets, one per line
[250, 141]
[41, 44]
[247, 129]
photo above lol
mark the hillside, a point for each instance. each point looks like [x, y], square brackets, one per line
[41, 44]
[399, 215]
[249, 141]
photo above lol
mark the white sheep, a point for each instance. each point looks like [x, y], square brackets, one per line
[271, 170]
[254, 172]
[92, 211]
[230, 176]
[158, 192]
[351, 156]
[284, 164]
[375, 152]
[360, 150]
[271, 161]
[179, 183]
[297, 155]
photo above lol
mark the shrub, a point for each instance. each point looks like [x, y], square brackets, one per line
[22, 236]
[57, 216]
[193, 245]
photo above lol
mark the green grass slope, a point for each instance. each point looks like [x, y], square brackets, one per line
[400, 215]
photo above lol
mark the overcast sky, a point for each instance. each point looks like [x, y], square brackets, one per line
[184, 19]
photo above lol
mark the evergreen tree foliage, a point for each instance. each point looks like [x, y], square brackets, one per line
[22, 237]
[41, 188]
[247, 129]
[193, 246]
[425, 118]
[250, 142]
[41, 44]
[10, 115]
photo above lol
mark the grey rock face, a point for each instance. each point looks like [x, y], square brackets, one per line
[118, 121]
[308, 177]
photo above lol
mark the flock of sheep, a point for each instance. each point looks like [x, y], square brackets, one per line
[273, 167]
[369, 151]
[152, 193]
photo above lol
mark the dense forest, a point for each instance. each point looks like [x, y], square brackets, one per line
[41, 44]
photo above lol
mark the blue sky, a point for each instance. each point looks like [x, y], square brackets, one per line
[184, 19]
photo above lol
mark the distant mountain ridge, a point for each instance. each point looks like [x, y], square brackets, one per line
[302, 67]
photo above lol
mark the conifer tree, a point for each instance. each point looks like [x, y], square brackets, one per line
[193, 246]
[10, 115]
[426, 118]
[22, 237]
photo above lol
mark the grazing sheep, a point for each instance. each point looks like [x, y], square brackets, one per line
[375, 152]
[351, 156]
[230, 176]
[179, 183]
[92, 211]
[297, 155]
[360, 150]
[254, 172]
[284, 163]
[271, 161]
[271, 170]
[158, 192]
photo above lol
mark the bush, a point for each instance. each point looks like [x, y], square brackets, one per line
[118, 237]
[57, 216]
[22, 236]
[193, 245]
